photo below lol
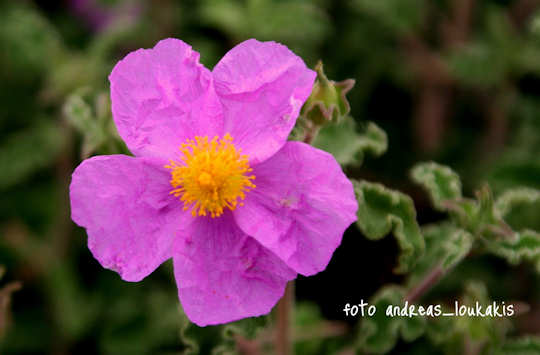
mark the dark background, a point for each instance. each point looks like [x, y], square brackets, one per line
[453, 81]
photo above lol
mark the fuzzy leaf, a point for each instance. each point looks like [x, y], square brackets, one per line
[90, 115]
[511, 198]
[480, 329]
[197, 340]
[446, 246]
[312, 334]
[79, 113]
[528, 345]
[379, 333]
[381, 211]
[477, 216]
[441, 330]
[246, 328]
[456, 334]
[218, 339]
[524, 245]
[370, 139]
[441, 182]
[519, 207]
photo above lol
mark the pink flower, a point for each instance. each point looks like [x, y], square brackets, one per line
[214, 184]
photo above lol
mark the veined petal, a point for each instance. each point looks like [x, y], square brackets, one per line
[262, 86]
[302, 205]
[161, 97]
[224, 275]
[130, 217]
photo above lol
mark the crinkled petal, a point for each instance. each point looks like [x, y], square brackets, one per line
[161, 97]
[300, 208]
[125, 206]
[224, 275]
[262, 86]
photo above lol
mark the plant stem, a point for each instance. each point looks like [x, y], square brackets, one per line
[425, 285]
[5, 301]
[284, 309]
[310, 134]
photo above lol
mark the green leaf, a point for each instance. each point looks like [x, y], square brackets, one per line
[381, 211]
[79, 113]
[372, 140]
[487, 62]
[446, 246]
[441, 183]
[226, 15]
[197, 340]
[246, 328]
[76, 70]
[481, 329]
[28, 151]
[519, 207]
[399, 15]
[476, 64]
[483, 217]
[75, 311]
[511, 198]
[301, 24]
[528, 345]
[313, 335]
[218, 339]
[90, 114]
[348, 145]
[524, 245]
[379, 333]
[29, 44]
[139, 320]
[456, 334]
[441, 330]
[534, 25]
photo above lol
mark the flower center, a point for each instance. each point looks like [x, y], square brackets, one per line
[211, 176]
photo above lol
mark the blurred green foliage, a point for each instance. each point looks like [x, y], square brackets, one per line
[457, 82]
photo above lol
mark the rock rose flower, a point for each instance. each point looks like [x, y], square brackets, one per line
[213, 183]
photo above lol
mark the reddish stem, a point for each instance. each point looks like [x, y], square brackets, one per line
[425, 285]
[284, 310]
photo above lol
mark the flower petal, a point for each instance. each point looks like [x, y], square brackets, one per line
[262, 86]
[300, 208]
[161, 97]
[125, 206]
[224, 275]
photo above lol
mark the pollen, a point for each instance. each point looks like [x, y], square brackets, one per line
[211, 176]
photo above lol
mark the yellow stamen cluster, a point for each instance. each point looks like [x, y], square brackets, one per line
[211, 176]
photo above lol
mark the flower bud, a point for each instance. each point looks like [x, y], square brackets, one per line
[327, 102]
